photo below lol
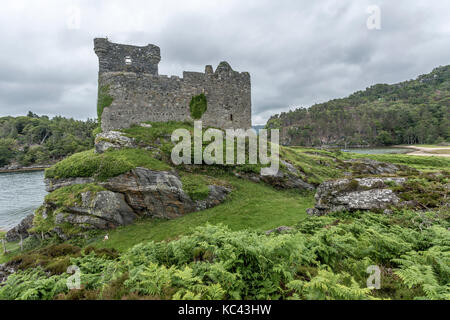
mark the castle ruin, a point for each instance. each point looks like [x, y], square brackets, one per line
[130, 76]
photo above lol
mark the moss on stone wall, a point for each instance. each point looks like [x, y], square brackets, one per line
[198, 106]
[104, 100]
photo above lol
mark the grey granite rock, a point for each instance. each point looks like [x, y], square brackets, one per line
[21, 229]
[355, 194]
[100, 210]
[370, 166]
[112, 140]
[53, 184]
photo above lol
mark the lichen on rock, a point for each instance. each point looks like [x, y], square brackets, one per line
[356, 194]
[112, 140]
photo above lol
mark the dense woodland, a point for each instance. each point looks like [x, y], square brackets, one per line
[410, 112]
[32, 139]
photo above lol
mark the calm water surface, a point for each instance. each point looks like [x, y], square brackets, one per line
[20, 194]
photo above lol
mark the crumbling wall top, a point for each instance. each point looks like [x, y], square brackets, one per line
[115, 57]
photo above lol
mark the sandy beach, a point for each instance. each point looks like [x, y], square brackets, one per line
[427, 151]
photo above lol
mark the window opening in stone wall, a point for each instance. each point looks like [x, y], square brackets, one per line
[128, 60]
[231, 117]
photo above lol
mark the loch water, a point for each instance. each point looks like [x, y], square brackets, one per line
[20, 194]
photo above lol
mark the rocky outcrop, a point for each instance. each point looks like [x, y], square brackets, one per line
[283, 180]
[355, 194]
[139, 193]
[5, 270]
[369, 166]
[100, 210]
[281, 229]
[112, 140]
[216, 196]
[160, 193]
[291, 178]
[53, 184]
[21, 229]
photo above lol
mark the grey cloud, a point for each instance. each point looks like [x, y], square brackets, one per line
[298, 52]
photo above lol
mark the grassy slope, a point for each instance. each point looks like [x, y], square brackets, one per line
[11, 247]
[258, 207]
[419, 162]
[106, 165]
[250, 206]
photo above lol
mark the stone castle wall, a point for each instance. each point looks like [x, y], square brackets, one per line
[140, 94]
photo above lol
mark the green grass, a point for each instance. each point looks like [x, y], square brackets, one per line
[105, 165]
[418, 162]
[196, 185]
[317, 165]
[148, 136]
[12, 247]
[71, 195]
[250, 206]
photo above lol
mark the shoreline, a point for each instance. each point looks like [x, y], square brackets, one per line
[426, 151]
[25, 169]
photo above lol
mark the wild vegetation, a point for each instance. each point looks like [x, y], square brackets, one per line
[106, 165]
[33, 139]
[410, 112]
[225, 252]
[198, 106]
[321, 258]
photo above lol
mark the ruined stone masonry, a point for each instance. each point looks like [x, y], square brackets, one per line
[130, 76]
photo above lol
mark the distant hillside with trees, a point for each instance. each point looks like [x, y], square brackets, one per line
[37, 140]
[409, 112]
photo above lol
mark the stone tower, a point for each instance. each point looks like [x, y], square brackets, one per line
[119, 57]
[129, 76]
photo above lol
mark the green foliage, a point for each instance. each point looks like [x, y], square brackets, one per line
[323, 258]
[32, 282]
[240, 264]
[40, 140]
[418, 162]
[251, 205]
[104, 100]
[329, 286]
[7, 147]
[410, 112]
[384, 138]
[96, 131]
[195, 185]
[316, 166]
[198, 106]
[148, 135]
[54, 259]
[423, 192]
[105, 165]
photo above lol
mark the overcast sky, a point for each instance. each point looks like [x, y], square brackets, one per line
[297, 52]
